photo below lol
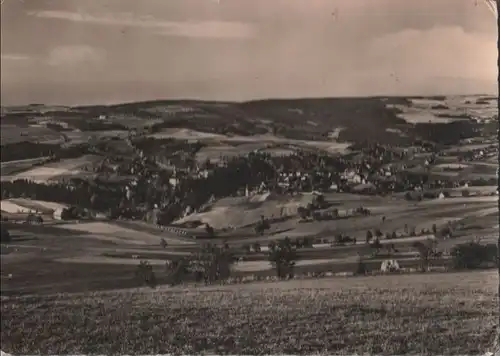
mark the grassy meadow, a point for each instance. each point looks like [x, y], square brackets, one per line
[452, 313]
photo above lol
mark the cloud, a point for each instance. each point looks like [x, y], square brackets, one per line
[74, 55]
[209, 29]
[14, 57]
[193, 29]
[441, 51]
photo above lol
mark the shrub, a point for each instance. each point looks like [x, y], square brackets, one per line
[446, 232]
[317, 216]
[465, 193]
[303, 212]
[262, 226]
[213, 263]
[209, 230]
[474, 255]
[307, 242]
[283, 257]
[376, 245]
[369, 236]
[426, 252]
[361, 268]
[5, 235]
[177, 270]
[145, 274]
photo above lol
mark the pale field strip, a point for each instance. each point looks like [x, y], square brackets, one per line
[255, 266]
[51, 170]
[137, 251]
[24, 161]
[112, 232]
[243, 266]
[486, 163]
[108, 260]
[186, 134]
[452, 166]
[39, 204]
[470, 147]
[10, 207]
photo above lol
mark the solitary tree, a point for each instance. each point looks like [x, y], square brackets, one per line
[145, 274]
[303, 213]
[369, 236]
[177, 270]
[376, 245]
[283, 257]
[426, 252]
[361, 266]
[307, 242]
[212, 262]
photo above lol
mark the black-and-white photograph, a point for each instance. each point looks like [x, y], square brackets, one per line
[249, 177]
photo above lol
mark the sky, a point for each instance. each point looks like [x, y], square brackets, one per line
[73, 52]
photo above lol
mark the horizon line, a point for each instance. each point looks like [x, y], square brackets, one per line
[187, 99]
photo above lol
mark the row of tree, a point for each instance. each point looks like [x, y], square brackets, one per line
[212, 263]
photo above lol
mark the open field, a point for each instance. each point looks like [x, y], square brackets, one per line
[13, 167]
[101, 243]
[13, 208]
[446, 109]
[69, 286]
[24, 206]
[477, 215]
[419, 314]
[78, 137]
[11, 134]
[242, 212]
[261, 140]
[67, 167]
[468, 147]
[45, 207]
[214, 152]
[113, 232]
